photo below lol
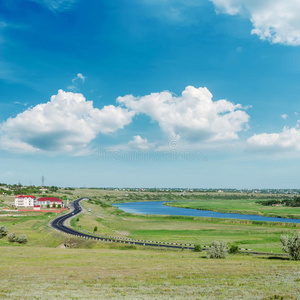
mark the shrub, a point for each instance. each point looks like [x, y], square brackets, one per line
[3, 231]
[291, 245]
[233, 249]
[58, 206]
[197, 248]
[12, 238]
[95, 228]
[22, 239]
[217, 250]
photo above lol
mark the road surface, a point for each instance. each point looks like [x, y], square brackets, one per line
[58, 224]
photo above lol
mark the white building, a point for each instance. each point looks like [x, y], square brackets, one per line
[45, 201]
[25, 201]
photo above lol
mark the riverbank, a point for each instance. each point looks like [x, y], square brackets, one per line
[241, 206]
[111, 221]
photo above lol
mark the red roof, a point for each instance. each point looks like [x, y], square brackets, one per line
[50, 199]
[36, 205]
[25, 196]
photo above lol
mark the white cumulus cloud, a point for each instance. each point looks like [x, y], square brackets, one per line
[67, 123]
[284, 116]
[138, 143]
[274, 20]
[288, 139]
[193, 116]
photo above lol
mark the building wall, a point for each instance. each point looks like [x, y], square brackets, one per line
[24, 201]
[45, 203]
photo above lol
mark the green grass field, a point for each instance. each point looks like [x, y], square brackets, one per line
[46, 273]
[259, 236]
[97, 270]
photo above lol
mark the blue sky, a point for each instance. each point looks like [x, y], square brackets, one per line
[148, 93]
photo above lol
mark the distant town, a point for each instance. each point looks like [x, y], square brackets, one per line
[17, 189]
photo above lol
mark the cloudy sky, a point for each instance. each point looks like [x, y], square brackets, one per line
[150, 93]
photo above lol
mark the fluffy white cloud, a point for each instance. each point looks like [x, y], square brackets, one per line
[193, 116]
[284, 116]
[138, 143]
[67, 123]
[288, 139]
[274, 20]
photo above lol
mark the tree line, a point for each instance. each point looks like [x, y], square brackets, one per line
[285, 202]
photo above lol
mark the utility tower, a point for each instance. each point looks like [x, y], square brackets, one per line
[43, 180]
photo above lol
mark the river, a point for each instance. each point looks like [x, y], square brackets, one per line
[157, 208]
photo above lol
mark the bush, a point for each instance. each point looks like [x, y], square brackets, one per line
[3, 231]
[233, 249]
[22, 239]
[12, 238]
[197, 248]
[217, 250]
[291, 245]
[95, 228]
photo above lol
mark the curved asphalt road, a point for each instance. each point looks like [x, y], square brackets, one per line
[58, 224]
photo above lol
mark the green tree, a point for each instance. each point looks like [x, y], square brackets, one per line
[291, 245]
[95, 228]
[197, 248]
[233, 249]
[53, 188]
[3, 231]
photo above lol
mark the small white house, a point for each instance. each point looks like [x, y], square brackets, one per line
[25, 201]
[52, 202]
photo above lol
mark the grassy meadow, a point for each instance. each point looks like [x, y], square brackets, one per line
[52, 273]
[41, 269]
[255, 235]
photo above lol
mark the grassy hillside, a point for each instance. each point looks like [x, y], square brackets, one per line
[34, 226]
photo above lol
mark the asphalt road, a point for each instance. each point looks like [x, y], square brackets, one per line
[58, 224]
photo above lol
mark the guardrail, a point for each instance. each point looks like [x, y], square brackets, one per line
[58, 224]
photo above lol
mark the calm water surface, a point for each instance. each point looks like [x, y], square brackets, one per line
[157, 208]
